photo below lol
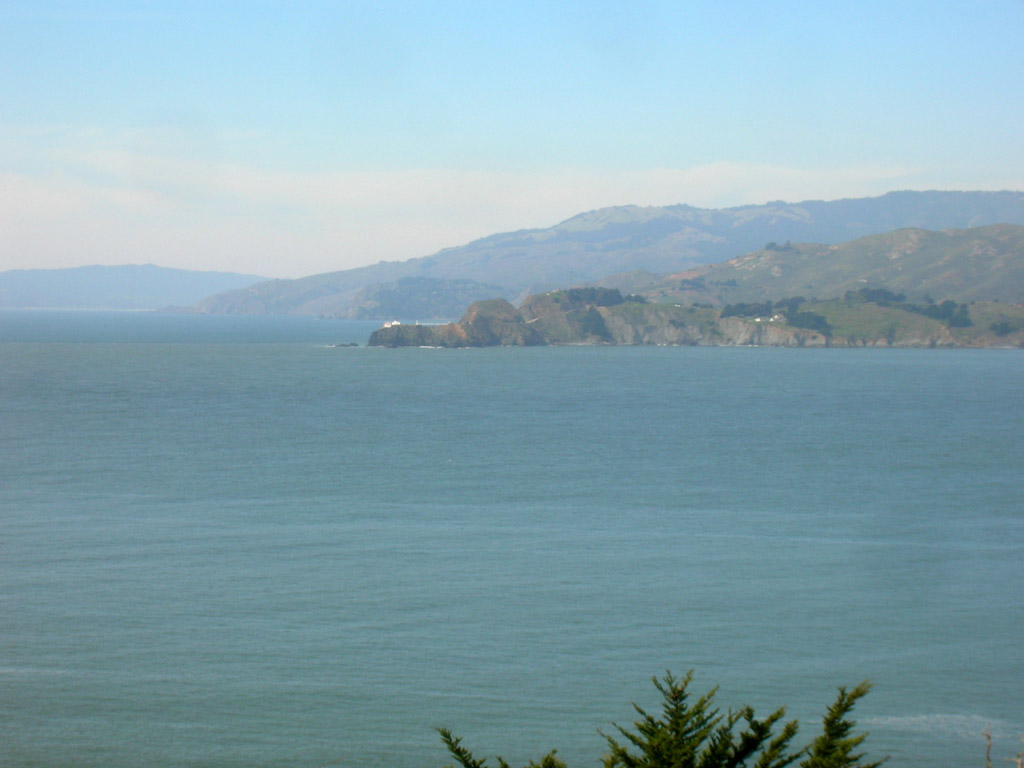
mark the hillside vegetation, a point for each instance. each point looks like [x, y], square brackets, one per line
[693, 732]
[979, 264]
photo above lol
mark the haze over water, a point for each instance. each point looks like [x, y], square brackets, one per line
[225, 543]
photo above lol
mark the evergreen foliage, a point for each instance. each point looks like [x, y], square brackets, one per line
[696, 734]
[788, 307]
[745, 309]
[792, 304]
[699, 736]
[834, 748]
[949, 312]
[593, 324]
[1002, 328]
[952, 314]
[809, 320]
[465, 758]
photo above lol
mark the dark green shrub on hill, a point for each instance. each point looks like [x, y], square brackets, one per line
[791, 304]
[943, 311]
[743, 309]
[697, 735]
[593, 324]
[812, 321]
[949, 312]
[961, 318]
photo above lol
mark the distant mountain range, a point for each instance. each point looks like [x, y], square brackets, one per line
[629, 246]
[131, 286]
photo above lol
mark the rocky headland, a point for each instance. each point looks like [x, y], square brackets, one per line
[603, 316]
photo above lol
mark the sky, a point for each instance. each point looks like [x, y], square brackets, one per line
[292, 138]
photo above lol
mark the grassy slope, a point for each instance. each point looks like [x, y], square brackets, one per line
[858, 323]
[984, 263]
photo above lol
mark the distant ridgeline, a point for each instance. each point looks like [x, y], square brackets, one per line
[663, 253]
[910, 288]
[129, 286]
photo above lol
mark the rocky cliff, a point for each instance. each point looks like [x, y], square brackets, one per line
[490, 323]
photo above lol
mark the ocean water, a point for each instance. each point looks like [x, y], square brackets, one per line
[224, 542]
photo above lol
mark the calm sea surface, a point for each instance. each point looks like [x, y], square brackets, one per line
[225, 543]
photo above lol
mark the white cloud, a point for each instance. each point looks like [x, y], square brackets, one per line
[117, 206]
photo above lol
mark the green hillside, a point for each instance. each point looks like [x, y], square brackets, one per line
[978, 264]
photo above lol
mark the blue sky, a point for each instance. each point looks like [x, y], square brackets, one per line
[290, 138]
